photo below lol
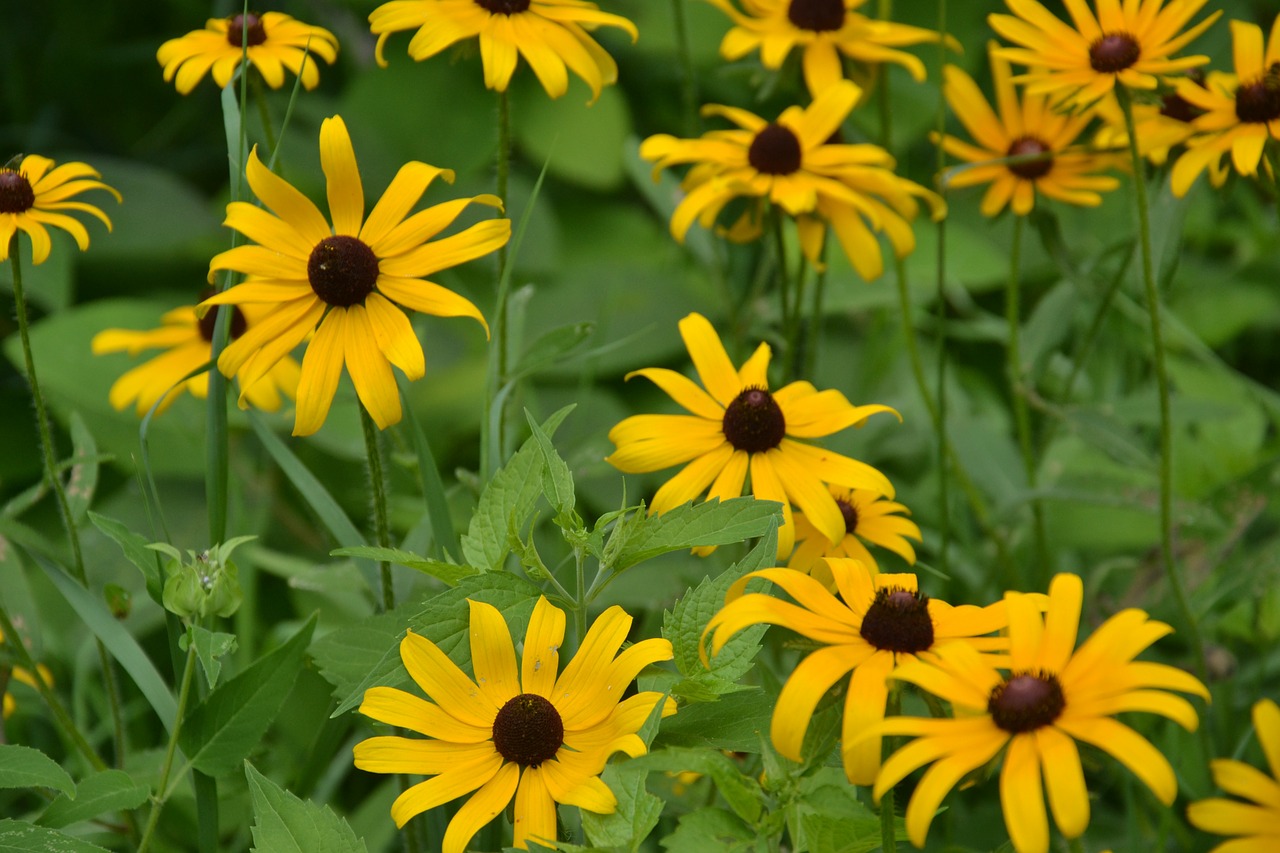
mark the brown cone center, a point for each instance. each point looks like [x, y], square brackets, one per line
[820, 16]
[1026, 702]
[528, 730]
[503, 7]
[245, 30]
[1027, 146]
[1113, 53]
[16, 194]
[342, 270]
[754, 422]
[898, 621]
[775, 151]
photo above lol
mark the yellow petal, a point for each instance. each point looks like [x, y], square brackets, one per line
[541, 657]
[486, 804]
[1064, 781]
[806, 686]
[342, 177]
[442, 680]
[394, 335]
[710, 359]
[535, 813]
[462, 779]
[398, 708]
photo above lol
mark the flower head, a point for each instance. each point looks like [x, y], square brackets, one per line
[876, 623]
[522, 732]
[552, 35]
[826, 30]
[866, 517]
[1257, 822]
[273, 42]
[738, 426]
[1130, 44]
[1025, 126]
[343, 281]
[797, 164]
[1053, 696]
[1161, 126]
[34, 194]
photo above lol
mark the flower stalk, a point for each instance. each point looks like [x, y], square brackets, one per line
[378, 484]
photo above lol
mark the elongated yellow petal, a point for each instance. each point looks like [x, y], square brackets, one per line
[535, 813]
[808, 683]
[463, 778]
[540, 663]
[442, 680]
[496, 790]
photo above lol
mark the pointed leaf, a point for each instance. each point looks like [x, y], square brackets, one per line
[24, 767]
[102, 793]
[20, 837]
[283, 823]
[713, 522]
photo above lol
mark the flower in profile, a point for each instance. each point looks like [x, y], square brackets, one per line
[1241, 110]
[738, 426]
[1161, 126]
[866, 517]
[878, 621]
[1053, 696]
[344, 282]
[272, 41]
[34, 195]
[1028, 128]
[552, 35]
[1257, 822]
[187, 341]
[1130, 45]
[826, 30]
[23, 676]
[514, 732]
[795, 163]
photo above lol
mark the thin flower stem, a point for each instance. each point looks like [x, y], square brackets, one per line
[264, 112]
[888, 837]
[940, 308]
[688, 82]
[378, 482]
[491, 440]
[812, 336]
[784, 280]
[184, 693]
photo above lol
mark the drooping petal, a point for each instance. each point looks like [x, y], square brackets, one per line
[487, 803]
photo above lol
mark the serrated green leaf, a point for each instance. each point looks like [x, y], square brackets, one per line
[557, 481]
[447, 572]
[710, 829]
[84, 470]
[713, 522]
[734, 722]
[220, 732]
[17, 836]
[135, 550]
[283, 823]
[637, 813]
[742, 793]
[24, 767]
[210, 645]
[347, 656]
[832, 819]
[98, 794]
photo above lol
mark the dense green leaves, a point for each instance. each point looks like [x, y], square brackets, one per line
[637, 813]
[711, 523]
[283, 823]
[102, 793]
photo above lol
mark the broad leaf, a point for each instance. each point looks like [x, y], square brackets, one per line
[557, 481]
[283, 823]
[136, 550]
[210, 645]
[447, 572]
[691, 525]
[712, 829]
[84, 472]
[742, 793]
[637, 813]
[24, 767]
[102, 793]
[20, 837]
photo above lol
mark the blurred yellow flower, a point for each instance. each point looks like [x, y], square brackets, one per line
[1256, 822]
[866, 517]
[273, 42]
[23, 676]
[34, 194]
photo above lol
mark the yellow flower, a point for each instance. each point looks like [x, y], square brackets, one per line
[526, 732]
[794, 164]
[1242, 110]
[1130, 44]
[343, 282]
[1161, 126]
[882, 621]
[552, 35]
[827, 31]
[1256, 822]
[34, 194]
[1027, 126]
[187, 341]
[1053, 696]
[8, 704]
[867, 517]
[274, 42]
[737, 426]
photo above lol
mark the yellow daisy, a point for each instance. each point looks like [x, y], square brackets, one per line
[514, 732]
[1161, 126]
[187, 340]
[274, 42]
[866, 516]
[1241, 110]
[737, 425]
[883, 620]
[1256, 822]
[22, 675]
[794, 164]
[34, 194]
[1130, 44]
[826, 30]
[552, 35]
[1027, 126]
[343, 282]
[1054, 696]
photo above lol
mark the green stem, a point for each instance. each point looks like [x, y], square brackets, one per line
[889, 838]
[378, 482]
[784, 280]
[688, 82]
[1075, 845]
[492, 423]
[814, 332]
[940, 308]
[264, 113]
[184, 693]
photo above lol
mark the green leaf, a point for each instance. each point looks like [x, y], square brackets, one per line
[581, 143]
[710, 829]
[832, 819]
[713, 522]
[223, 729]
[735, 722]
[283, 823]
[447, 572]
[551, 347]
[20, 837]
[557, 481]
[98, 794]
[446, 538]
[84, 472]
[136, 550]
[742, 793]
[24, 767]
[637, 813]
[210, 645]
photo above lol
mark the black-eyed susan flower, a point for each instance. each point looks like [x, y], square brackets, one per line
[1256, 823]
[521, 729]
[1027, 127]
[867, 516]
[1161, 126]
[826, 30]
[795, 164]
[23, 676]
[553, 36]
[877, 622]
[187, 341]
[274, 41]
[35, 195]
[1241, 110]
[344, 281]
[1130, 44]
[737, 426]
[1053, 696]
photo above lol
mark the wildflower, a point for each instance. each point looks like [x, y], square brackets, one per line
[34, 194]
[552, 35]
[866, 517]
[272, 41]
[1257, 822]
[343, 282]
[1161, 126]
[737, 425]
[528, 733]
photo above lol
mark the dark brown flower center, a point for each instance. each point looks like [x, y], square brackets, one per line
[774, 151]
[342, 270]
[1259, 102]
[820, 16]
[16, 195]
[1174, 106]
[528, 730]
[898, 621]
[1113, 53]
[1027, 146]
[1026, 702]
[245, 30]
[504, 7]
[850, 513]
[206, 323]
[753, 421]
